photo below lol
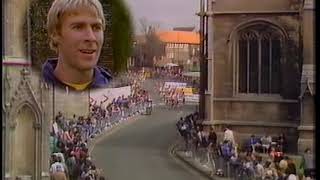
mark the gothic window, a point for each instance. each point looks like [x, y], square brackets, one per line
[259, 53]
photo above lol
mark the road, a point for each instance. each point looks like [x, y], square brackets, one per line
[139, 150]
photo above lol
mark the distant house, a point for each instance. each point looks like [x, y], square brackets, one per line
[181, 47]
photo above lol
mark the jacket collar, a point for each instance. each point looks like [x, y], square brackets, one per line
[101, 77]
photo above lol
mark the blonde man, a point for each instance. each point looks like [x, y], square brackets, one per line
[75, 28]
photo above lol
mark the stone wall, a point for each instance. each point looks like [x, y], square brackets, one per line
[14, 12]
[224, 25]
[27, 112]
[250, 113]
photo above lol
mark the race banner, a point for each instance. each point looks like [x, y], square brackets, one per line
[174, 85]
[187, 91]
[192, 98]
[108, 94]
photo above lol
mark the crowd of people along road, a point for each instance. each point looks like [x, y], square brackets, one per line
[169, 72]
[128, 78]
[69, 138]
[174, 74]
[260, 158]
[69, 149]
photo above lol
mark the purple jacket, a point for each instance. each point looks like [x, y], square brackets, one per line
[101, 79]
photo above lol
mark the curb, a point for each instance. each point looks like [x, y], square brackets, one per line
[190, 163]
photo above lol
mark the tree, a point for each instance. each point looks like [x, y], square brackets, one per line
[152, 47]
[122, 35]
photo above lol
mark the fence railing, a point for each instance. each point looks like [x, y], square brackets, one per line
[113, 119]
[89, 131]
[212, 159]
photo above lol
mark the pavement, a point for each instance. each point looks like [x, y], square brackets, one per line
[108, 131]
[205, 170]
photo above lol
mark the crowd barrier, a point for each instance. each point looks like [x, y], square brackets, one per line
[115, 118]
[209, 158]
[89, 131]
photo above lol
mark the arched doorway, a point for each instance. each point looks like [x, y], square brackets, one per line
[24, 143]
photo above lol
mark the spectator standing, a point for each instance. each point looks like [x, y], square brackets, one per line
[226, 153]
[291, 169]
[71, 164]
[179, 126]
[211, 150]
[266, 141]
[308, 164]
[57, 169]
[282, 142]
[283, 165]
[212, 139]
[270, 171]
[226, 150]
[185, 131]
[53, 140]
[254, 143]
[204, 143]
[228, 135]
[259, 169]
[196, 141]
[275, 154]
[249, 167]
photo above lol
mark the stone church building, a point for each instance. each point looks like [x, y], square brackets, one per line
[261, 69]
[25, 125]
[29, 105]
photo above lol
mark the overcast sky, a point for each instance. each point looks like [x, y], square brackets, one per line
[166, 13]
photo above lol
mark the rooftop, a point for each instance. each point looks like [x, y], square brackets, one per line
[183, 37]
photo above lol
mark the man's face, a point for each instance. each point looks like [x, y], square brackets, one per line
[80, 39]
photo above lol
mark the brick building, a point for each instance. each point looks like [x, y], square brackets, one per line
[29, 105]
[181, 47]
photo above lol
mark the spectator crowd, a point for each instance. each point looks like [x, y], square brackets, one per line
[69, 137]
[174, 74]
[262, 158]
[128, 78]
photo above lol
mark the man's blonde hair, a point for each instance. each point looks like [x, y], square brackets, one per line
[61, 7]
